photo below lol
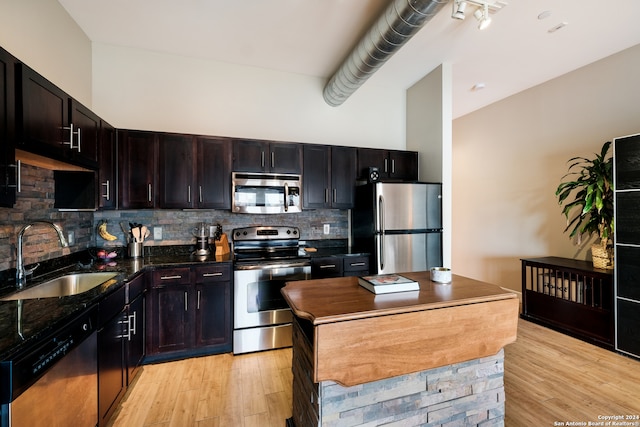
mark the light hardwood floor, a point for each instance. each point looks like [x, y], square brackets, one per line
[550, 378]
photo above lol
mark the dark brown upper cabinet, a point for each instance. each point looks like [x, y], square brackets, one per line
[107, 167]
[329, 177]
[137, 167]
[213, 173]
[393, 165]
[194, 172]
[176, 171]
[52, 124]
[266, 156]
[8, 167]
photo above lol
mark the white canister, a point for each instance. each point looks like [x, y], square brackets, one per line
[441, 275]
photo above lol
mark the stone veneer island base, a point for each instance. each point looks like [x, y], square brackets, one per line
[428, 358]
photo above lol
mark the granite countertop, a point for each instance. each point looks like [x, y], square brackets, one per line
[40, 317]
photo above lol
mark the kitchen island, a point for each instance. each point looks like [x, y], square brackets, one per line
[415, 358]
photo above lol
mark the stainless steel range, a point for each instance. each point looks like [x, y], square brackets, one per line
[266, 257]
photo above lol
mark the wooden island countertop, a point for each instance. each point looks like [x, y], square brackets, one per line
[357, 336]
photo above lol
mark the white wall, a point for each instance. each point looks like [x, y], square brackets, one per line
[139, 89]
[509, 157]
[429, 116]
[42, 35]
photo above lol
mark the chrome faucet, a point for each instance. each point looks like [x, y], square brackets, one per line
[21, 273]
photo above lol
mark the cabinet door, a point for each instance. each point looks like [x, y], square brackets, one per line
[168, 308]
[8, 167]
[86, 133]
[137, 158]
[135, 336]
[170, 318]
[627, 162]
[213, 173]
[42, 116]
[176, 171]
[107, 167]
[403, 165]
[250, 156]
[213, 306]
[372, 157]
[316, 179]
[213, 315]
[285, 158]
[111, 367]
[343, 177]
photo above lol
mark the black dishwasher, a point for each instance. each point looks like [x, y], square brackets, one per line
[54, 382]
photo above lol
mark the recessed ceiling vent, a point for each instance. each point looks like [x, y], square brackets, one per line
[399, 22]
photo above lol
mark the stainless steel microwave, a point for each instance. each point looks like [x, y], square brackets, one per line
[266, 193]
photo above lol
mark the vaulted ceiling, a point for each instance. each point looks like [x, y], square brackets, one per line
[313, 37]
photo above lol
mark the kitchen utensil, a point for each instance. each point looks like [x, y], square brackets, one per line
[144, 232]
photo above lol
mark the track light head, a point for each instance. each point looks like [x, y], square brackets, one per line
[459, 7]
[482, 15]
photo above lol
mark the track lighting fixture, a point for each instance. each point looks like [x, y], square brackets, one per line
[481, 13]
[458, 9]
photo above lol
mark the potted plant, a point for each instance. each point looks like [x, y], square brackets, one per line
[590, 183]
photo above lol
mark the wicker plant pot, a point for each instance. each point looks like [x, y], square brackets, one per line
[602, 256]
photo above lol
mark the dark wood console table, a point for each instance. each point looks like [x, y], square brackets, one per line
[570, 296]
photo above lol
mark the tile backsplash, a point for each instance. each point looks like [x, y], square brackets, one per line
[35, 202]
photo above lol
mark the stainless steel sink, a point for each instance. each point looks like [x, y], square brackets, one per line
[70, 284]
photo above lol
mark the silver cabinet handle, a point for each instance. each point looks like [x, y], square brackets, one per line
[70, 129]
[262, 159]
[200, 192]
[393, 166]
[106, 190]
[212, 274]
[381, 217]
[132, 322]
[386, 165]
[149, 191]
[326, 195]
[357, 264]
[78, 133]
[186, 301]
[335, 195]
[177, 276]
[198, 301]
[328, 266]
[18, 184]
[273, 159]
[188, 194]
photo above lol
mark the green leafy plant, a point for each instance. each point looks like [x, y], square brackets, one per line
[590, 181]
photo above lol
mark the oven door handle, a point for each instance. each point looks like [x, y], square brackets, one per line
[286, 197]
[273, 266]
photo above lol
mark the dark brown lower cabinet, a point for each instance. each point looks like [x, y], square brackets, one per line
[112, 364]
[189, 312]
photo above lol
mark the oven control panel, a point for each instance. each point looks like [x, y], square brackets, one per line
[266, 233]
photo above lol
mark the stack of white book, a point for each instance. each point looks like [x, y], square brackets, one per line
[387, 283]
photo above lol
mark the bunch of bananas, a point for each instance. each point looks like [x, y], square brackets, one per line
[102, 231]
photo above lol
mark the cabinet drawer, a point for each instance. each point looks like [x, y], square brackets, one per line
[356, 263]
[213, 273]
[326, 267]
[172, 276]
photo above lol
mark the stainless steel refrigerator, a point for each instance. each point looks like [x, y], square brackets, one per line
[400, 224]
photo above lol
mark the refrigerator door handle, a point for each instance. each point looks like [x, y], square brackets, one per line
[381, 219]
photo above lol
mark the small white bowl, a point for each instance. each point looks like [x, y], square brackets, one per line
[441, 275]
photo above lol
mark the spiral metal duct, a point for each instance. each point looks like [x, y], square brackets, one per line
[399, 22]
